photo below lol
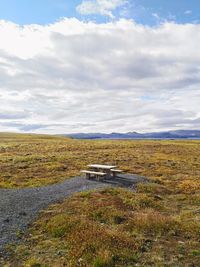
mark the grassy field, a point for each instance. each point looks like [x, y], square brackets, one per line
[158, 225]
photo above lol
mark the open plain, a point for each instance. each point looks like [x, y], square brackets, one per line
[156, 224]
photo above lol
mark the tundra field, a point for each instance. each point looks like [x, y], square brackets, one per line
[158, 224]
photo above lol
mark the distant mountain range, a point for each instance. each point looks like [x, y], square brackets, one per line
[179, 134]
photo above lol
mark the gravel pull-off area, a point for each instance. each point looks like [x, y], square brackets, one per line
[20, 207]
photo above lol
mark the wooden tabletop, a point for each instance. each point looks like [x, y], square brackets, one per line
[101, 166]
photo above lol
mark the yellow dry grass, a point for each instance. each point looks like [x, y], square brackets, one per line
[35, 160]
[158, 225]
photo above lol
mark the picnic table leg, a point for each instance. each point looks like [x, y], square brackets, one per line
[108, 174]
[98, 177]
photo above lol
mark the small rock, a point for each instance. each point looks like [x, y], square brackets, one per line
[158, 197]
[80, 260]
[22, 213]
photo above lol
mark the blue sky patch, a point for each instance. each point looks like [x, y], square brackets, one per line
[148, 12]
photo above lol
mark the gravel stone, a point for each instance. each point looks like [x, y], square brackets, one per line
[20, 207]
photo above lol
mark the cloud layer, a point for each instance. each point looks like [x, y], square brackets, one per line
[72, 76]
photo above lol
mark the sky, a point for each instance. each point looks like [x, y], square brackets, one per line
[99, 65]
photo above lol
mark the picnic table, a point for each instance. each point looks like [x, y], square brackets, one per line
[107, 169]
[101, 171]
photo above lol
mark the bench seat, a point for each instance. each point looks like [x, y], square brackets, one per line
[92, 172]
[115, 170]
[95, 174]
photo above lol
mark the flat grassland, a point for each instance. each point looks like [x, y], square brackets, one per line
[157, 225]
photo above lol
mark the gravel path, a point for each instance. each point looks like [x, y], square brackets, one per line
[20, 207]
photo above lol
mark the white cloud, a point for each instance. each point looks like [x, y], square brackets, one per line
[72, 76]
[188, 12]
[102, 7]
[156, 16]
